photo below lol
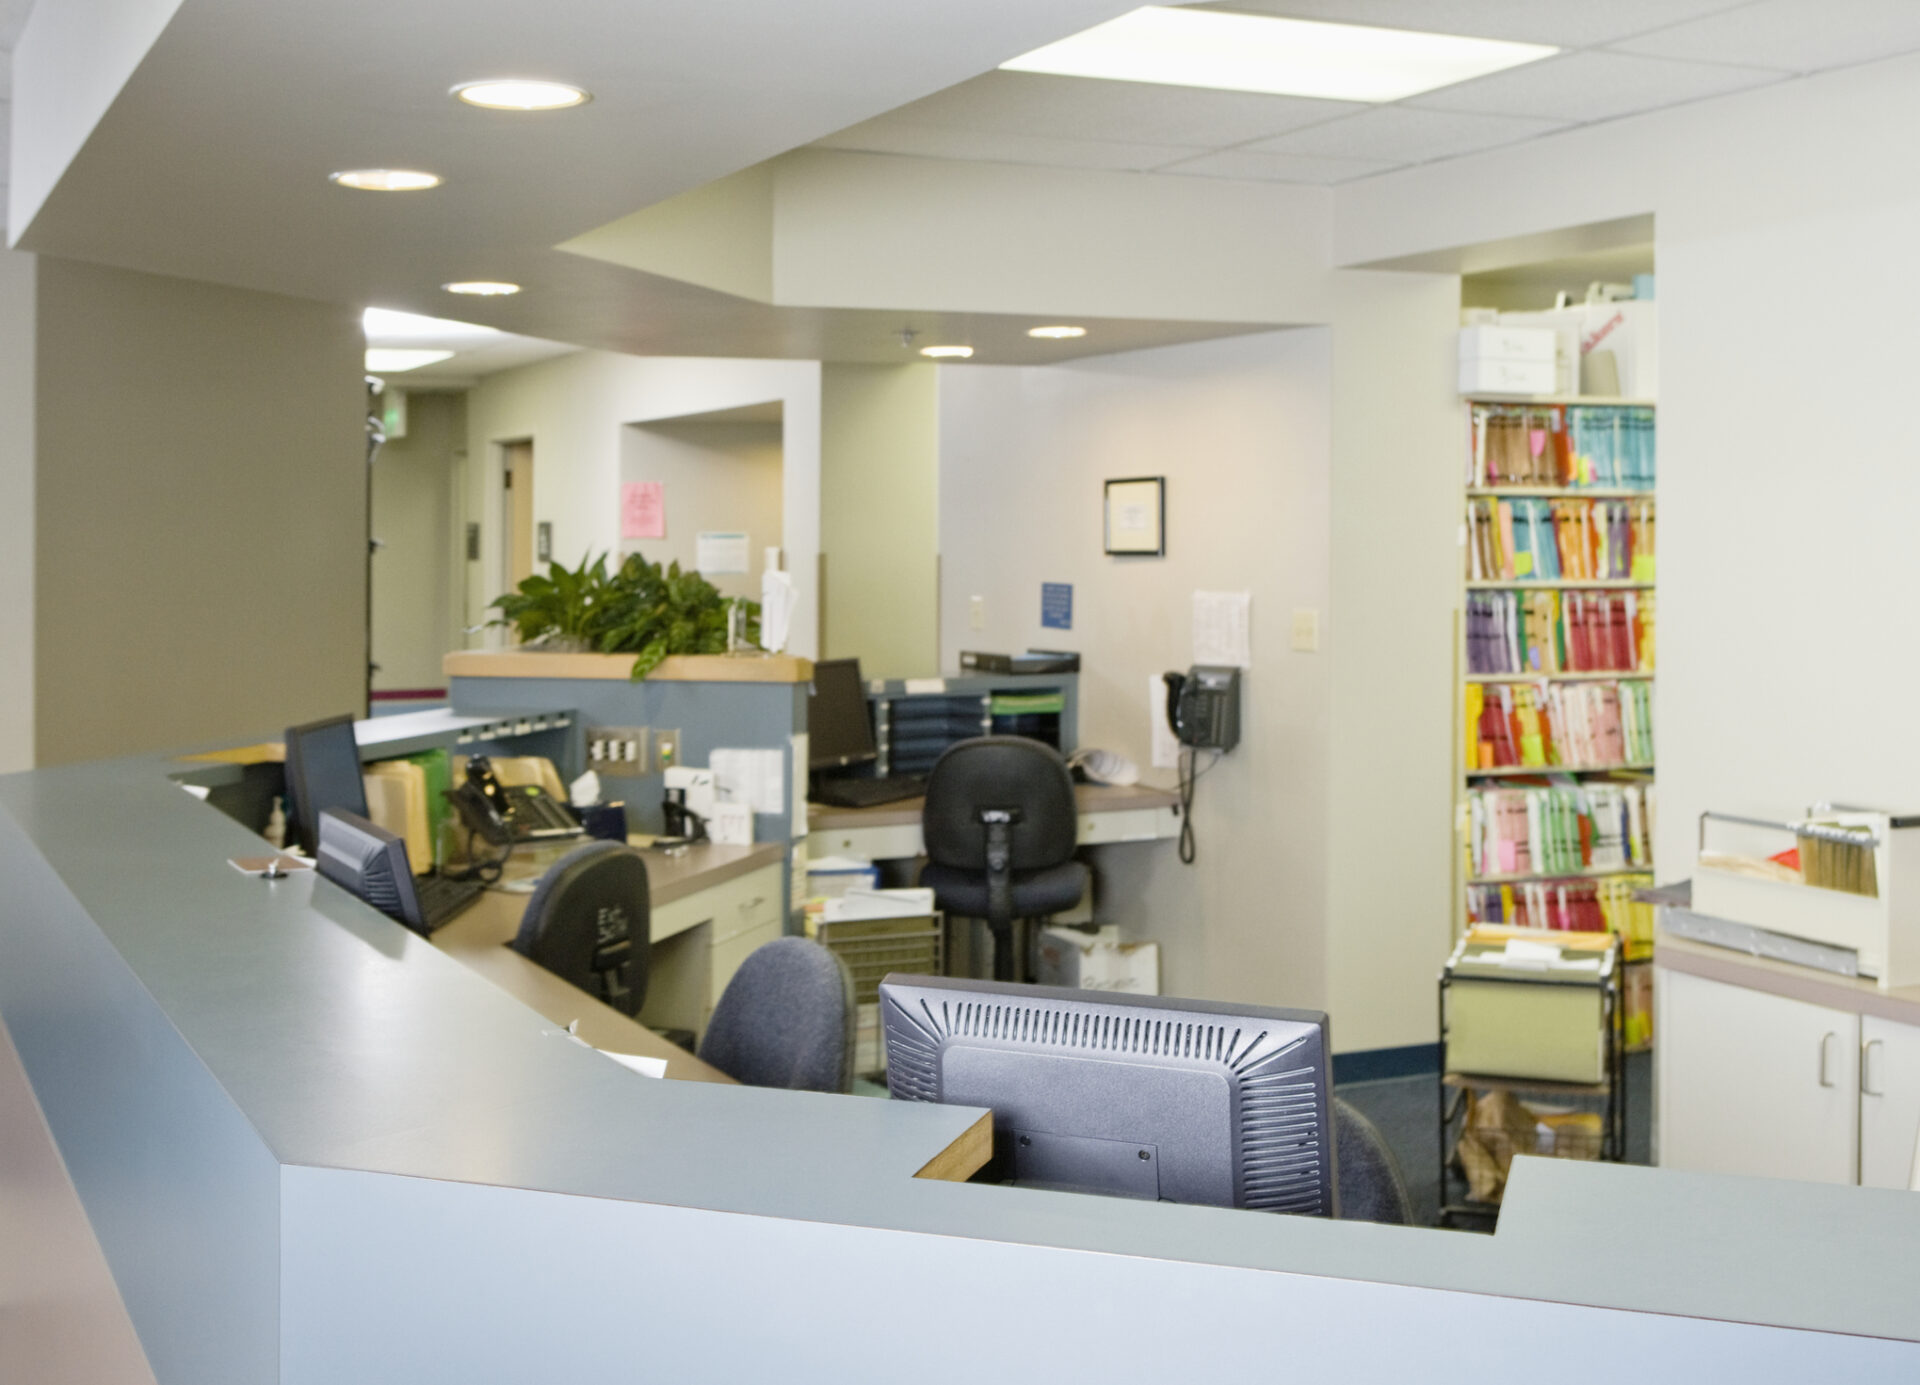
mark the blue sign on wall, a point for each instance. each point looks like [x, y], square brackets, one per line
[1056, 605]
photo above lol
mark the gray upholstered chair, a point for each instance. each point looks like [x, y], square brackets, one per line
[1372, 1187]
[785, 1020]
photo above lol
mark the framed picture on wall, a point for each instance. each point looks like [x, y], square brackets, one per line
[1137, 516]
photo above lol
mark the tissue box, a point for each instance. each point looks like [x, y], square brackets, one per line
[1096, 962]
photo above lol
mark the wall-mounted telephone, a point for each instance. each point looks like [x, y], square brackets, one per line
[1203, 706]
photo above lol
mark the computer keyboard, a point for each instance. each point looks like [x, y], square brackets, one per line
[441, 898]
[536, 814]
[867, 793]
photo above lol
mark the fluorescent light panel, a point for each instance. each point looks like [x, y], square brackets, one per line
[482, 288]
[391, 360]
[1062, 332]
[1281, 57]
[944, 353]
[389, 326]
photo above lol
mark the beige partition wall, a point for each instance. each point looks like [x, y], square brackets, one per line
[879, 516]
[200, 511]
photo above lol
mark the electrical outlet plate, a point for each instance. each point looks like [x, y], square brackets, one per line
[977, 613]
[1306, 630]
[666, 750]
[617, 749]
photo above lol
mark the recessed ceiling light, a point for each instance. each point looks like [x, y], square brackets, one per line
[1059, 333]
[391, 360]
[386, 179]
[521, 94]
[482, 288]
[1284, 57]
[939, 353]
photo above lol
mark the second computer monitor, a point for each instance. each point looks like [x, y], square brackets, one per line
[323, 771]
[1132, 1096]
[839, 727]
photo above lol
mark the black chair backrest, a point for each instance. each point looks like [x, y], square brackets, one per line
[588, 920]
[1000, 772]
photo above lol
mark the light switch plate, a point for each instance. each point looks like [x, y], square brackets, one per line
[1306, 630]
[977, 613]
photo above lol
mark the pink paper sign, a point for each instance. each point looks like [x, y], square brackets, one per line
[643, 510]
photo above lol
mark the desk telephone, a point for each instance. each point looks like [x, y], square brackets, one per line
[1203, 706]
[501, 814]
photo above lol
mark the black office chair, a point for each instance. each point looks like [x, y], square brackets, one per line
[587, 923]
[785, 1020]
[1000, 827]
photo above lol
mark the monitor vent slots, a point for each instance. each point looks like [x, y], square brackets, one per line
[1279, 1131]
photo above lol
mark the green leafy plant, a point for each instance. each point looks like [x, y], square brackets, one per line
[640, 608]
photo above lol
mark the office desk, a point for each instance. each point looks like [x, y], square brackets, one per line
[889, 831]
[710, 906]
[312, 1147]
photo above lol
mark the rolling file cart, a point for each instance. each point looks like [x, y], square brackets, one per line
[1528, 1013]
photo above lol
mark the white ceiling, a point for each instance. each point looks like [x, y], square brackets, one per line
[211, 161]
[1621, 57]
[13, 18]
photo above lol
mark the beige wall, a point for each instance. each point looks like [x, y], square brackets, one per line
[714, 477]
[200, 512]
[416, 618]
[1241, 429]
[879, 517]
[576, 410]
[1390, 642]
[16, 510]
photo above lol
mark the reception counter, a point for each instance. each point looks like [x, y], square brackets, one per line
[314, 1148]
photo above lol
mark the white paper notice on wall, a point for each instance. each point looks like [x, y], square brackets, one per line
[750, 776]
[719, 552]
[1166, 750]
[1222, 628]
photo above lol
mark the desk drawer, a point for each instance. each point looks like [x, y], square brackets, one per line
[744, 902]
[729, 953]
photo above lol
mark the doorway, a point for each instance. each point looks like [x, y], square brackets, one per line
[516, 513]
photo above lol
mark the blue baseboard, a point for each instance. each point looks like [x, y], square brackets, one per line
[1373, 1064]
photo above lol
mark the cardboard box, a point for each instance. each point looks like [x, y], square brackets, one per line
[1096, 962]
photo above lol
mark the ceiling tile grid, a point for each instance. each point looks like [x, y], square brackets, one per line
[1618, 58]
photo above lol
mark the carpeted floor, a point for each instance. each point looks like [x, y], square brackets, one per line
[1406, 1109]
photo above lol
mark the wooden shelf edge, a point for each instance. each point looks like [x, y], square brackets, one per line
[1596, 676]
[966, 1156]
[1522, 491]
[1635, 767]
[1558, 585]
[1606, 401]
[1606, 873]
[680, 668]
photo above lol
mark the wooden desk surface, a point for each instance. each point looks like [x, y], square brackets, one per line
[1088, 798]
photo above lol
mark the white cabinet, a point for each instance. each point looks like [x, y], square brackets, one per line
[1889, 1101]
[1753, 1083]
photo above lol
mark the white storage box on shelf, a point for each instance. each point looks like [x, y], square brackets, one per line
[1882, 928]
[1506, 360]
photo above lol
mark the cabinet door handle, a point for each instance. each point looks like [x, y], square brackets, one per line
[1825, 1039]
[1866, 1052]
